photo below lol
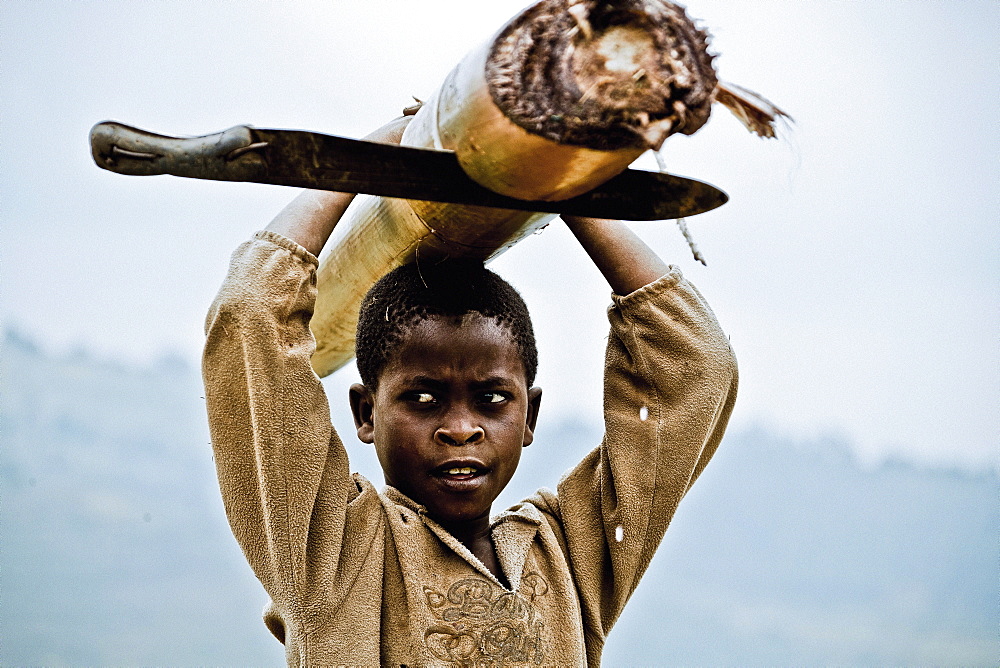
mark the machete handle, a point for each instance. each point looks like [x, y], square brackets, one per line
[229, 155]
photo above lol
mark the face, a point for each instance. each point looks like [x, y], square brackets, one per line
[450, 416]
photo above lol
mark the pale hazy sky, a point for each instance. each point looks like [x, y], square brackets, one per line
[855, 267]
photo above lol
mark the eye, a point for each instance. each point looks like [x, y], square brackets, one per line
[419, 397]
[494, 397]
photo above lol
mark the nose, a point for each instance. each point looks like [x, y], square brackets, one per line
[459, 430]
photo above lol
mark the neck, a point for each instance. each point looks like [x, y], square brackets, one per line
[470, 532]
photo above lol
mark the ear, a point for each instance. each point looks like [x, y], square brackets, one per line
[362, 408]
[534, 403]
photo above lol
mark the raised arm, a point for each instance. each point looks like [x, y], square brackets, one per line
[669, 387]
[625, 260]
[309, 219]
[283, 471]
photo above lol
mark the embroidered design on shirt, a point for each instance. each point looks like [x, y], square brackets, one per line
[486, 626]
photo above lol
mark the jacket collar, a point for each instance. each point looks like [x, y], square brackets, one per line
[513, 532]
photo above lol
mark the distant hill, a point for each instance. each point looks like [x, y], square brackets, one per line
[115, 550]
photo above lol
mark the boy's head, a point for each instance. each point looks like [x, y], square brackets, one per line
[452, 288]
[447, 357]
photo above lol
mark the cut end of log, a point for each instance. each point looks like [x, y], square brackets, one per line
[604, 75]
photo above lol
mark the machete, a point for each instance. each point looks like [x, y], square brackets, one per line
[325, 162]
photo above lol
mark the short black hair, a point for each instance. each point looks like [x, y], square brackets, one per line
[453, 287]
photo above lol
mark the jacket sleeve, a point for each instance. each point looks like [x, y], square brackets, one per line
[282, 469]
[669, 387]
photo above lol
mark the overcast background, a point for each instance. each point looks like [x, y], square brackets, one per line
[854, 268]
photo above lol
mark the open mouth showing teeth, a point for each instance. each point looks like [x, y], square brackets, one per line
[460, 471]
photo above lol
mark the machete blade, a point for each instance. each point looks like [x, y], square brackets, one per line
[326, 162]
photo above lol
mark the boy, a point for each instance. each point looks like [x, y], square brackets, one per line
[419, 574]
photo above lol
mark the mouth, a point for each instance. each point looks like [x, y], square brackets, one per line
[460, 472]
[461, 475]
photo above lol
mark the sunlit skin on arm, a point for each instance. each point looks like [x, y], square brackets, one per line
[625, 260]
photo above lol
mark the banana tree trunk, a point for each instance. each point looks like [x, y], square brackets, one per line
[561, 99]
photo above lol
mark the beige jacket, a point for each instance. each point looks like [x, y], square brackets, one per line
[362, 578]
